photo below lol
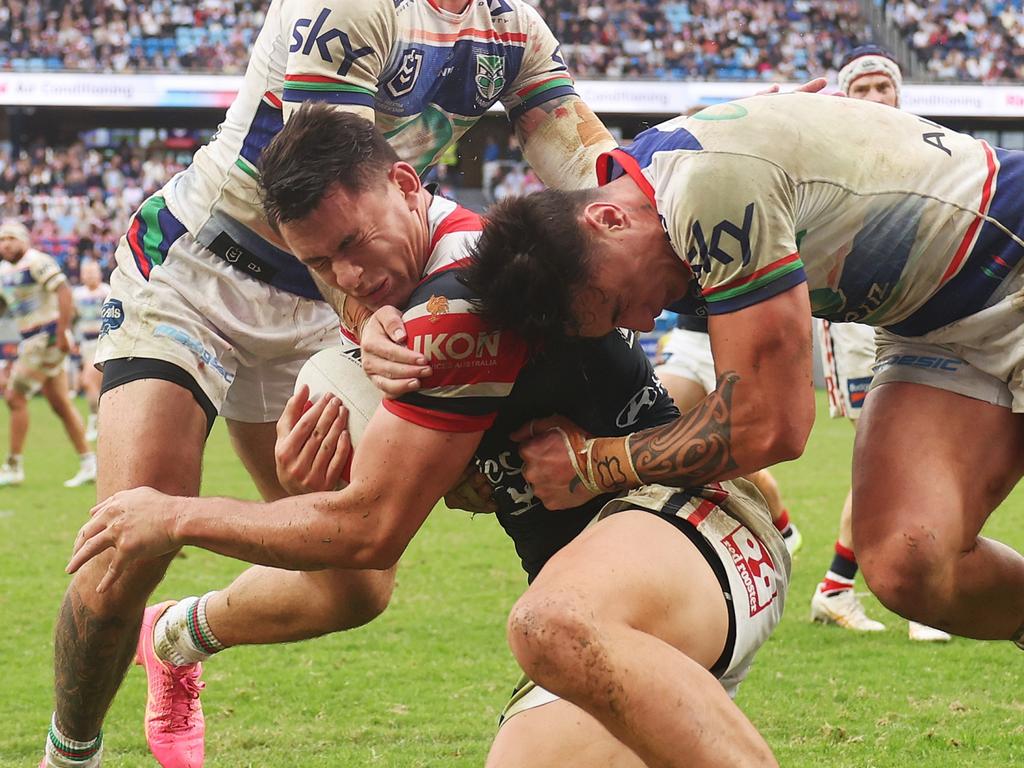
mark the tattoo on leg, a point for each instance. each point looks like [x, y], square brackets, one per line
[91, 657]
[697, 448]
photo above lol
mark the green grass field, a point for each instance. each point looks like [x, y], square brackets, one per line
[422, 685]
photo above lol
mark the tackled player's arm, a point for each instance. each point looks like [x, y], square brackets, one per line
[398, 474]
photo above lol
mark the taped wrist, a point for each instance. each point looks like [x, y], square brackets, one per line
[602, 464]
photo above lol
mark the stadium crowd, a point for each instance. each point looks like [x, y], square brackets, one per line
[724, 39]
[77, 199]
[979, 41]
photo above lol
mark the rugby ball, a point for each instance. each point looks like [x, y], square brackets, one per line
[338, 371]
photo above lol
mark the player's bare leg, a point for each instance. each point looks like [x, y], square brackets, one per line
[267, 605]
[17, 403]
[625, 622]
[96, 633]
[91, 380]
[930, 466]
[558, 735]
[55, 389]
[254, 444]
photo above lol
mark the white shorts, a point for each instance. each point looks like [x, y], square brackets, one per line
[980, 356]
[847, 356]
[687, 354]
[751, 552]
[87, 351]
[39, 360]
[242, 340]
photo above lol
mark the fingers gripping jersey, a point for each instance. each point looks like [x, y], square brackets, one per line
[427, 75]
[890, 219]
[88, 306]
[29, 289]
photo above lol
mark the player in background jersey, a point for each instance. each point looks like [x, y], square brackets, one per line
[38, 296]
[725, 212]
[847, 355]
[724, 575]
[89, 298]
[211, 314]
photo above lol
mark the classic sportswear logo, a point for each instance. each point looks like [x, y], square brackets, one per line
[630, 414]
[322, 39]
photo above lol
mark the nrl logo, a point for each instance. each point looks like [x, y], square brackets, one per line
[437, 306]
[490, 76]
[405, 79]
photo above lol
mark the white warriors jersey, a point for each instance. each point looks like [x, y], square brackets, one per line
[29, 289]
[88, 306]
[426, 74]
[891, 219]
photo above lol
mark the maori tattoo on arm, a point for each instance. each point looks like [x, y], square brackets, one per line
[694, 449]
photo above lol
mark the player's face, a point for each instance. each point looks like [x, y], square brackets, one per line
[629, 287]
[11, 248]
[91, 275]
[877, 88]
[370, 245]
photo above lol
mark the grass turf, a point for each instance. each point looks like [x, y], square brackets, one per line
[421, 686]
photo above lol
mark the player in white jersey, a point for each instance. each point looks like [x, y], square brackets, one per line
[700, 573]
[209, 313]
[847, 352]
[759, 213]
[89, 298]
[36, 293]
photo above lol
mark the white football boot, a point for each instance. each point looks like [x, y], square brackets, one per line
[922, 633]
[86, 473]
[844, 609]
[12, 473]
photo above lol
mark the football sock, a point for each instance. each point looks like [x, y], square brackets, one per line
[783, 525]
[14, 460]
[62, 752]
[87, 459]
[182, 635]
[842, 572]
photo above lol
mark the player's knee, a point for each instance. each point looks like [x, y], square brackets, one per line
[909, 572]
[553, 637]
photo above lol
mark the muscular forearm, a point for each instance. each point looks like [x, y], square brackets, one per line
[304, 533]
[726, 435]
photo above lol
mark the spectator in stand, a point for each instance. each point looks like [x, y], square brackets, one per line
[76, 203]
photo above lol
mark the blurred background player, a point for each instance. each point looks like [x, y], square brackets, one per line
[38, 296]
[687, 369]
[847, 356]
[89, 298]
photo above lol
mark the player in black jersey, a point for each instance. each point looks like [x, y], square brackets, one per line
[626, 624]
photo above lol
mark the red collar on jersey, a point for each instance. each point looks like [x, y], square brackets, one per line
[606, 163]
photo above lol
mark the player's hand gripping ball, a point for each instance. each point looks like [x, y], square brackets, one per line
[324, 421]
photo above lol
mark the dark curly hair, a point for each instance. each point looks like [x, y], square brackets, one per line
[318, 148]
[530, 263]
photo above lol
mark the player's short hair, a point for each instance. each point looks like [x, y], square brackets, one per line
[530, 263]
[318, 148]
